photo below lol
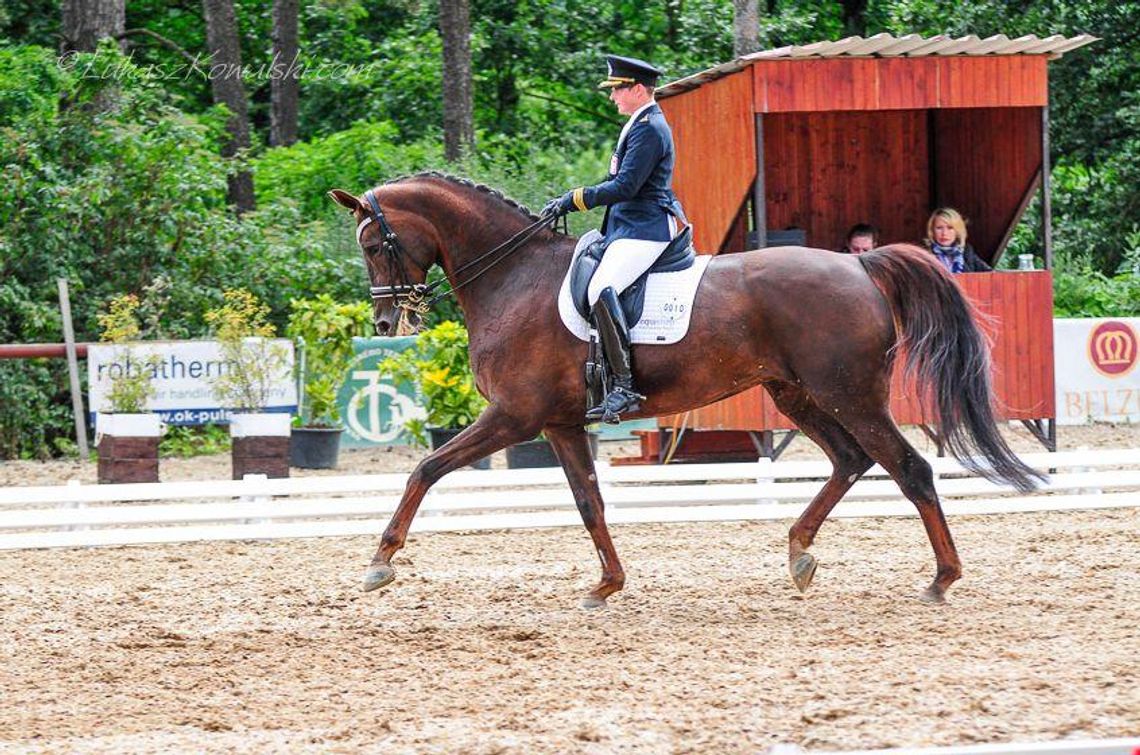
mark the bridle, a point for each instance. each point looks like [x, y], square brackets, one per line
[407, 296]
[412, 297]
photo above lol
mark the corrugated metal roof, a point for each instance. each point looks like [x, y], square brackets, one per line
[885, 46]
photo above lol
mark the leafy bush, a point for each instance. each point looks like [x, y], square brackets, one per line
[439, 366]
[243, 331]
[131, 390]
[1091, 293]
[354, 160]
[108, 198]
[183, 441]
[35, 409]
[326, 328]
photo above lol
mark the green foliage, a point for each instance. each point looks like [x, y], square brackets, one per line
[355, 159]
[802, 22]
[109, 198]
[35, 410]
[243, 330]
[29, 81]
[439, 366]
[326, 328]
[29, 21]
[397, 81]
[198, 440]
[1091, 293]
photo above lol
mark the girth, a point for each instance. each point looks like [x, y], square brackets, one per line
[678, 255]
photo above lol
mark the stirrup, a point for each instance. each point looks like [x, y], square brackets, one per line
[617, 402]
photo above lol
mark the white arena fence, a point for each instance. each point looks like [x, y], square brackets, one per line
[93, 515]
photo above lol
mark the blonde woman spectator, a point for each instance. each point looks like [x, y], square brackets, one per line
[946, 239]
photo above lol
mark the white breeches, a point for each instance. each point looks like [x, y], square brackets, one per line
[624, 262]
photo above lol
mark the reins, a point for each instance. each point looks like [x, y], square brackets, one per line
[413, 297]
[508, 247]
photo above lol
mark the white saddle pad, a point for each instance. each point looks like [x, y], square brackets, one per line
[668, 302]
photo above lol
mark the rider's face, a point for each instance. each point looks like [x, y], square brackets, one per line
[628, 99]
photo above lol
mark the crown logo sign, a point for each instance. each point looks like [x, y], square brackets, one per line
[1112, 348]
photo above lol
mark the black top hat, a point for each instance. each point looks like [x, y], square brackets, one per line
[625, 71]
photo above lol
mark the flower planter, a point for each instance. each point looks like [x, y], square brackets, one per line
[127, 446]
[441, 435]
[539, 453]
[314, 447]
[260, 444]
[530, 454]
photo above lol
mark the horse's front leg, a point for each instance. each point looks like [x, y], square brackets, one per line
[573, 449]
[492, 431]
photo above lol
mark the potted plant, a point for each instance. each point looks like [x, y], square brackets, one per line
[438, 365]
[253, 363]
[531, 453]
[127, 435]
[539, 453]
[325, 329]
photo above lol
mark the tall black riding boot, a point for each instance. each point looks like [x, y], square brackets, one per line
[614, 332]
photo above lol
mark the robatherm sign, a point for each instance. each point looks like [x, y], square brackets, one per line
[182, 372]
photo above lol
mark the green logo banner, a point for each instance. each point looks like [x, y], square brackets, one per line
[372, 409]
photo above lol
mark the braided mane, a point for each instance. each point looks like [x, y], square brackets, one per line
[459, 180]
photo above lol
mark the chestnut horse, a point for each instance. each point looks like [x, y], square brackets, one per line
[818, 330]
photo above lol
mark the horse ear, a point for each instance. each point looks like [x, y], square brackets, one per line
[344, 199]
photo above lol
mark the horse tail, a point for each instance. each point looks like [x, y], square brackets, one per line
[948, 357]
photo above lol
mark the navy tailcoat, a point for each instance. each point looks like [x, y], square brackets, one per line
[638, 192]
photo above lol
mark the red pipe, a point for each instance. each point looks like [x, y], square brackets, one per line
[36, 350]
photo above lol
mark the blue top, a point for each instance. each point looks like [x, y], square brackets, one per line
[638, 193]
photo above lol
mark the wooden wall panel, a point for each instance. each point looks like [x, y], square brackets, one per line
[1020, 307]
[907, 83]
[985, 162]
[828, 171]
[997, 81]
[784, 86]
[714, 134]
[840, 84]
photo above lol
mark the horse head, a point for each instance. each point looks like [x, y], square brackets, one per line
[397, 264]
[410, 223]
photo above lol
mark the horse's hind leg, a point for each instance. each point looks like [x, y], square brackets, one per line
[573, 449]
[881, 438]
[849, 461]
[492, 431]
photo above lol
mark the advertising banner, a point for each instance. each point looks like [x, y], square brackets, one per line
[1096, 375]
[182, 372]
[372, 409]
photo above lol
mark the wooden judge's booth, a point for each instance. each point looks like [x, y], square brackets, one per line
[795, 145]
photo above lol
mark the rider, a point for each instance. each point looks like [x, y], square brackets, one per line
[642, 216]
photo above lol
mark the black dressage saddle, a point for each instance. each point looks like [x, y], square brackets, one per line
[679, 255]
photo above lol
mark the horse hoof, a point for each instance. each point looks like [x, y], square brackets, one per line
[803, 571]
[933, 594]
[377, 576]
[592, 601]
